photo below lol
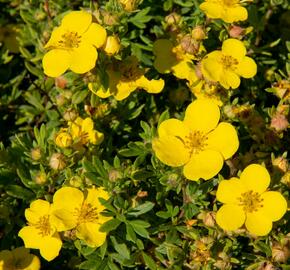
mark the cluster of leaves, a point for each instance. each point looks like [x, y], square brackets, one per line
[160, 219]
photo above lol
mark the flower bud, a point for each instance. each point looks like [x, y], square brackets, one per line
[40, 178]
[60, 82]
[128, 5]
[209, 219]
[114, 175]
[236, 31]
[279, 122]
[280, 253]
[172, 19]
[35, 153]
[60, 100]
[63, 139]
[76, 181]
[70, 115]
[57, 161]
[189, 45]
[198, 33]
[281, 163]
[112, 45]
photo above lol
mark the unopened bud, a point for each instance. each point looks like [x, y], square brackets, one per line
[112, 45]
[35, 153]
[209, 219]
[128, 5]
[279, 122]
[40, 178]
[70, 115]
[76, 181]
[63, 139]
[280, 253]
[60, 82]
[114, 175]
[236, 31]
[281, 163]
[60, 100]
[57, 161]
[198, 33]
[189, 45]
[172, 19]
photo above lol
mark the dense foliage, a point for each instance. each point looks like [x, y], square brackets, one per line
[94, 136]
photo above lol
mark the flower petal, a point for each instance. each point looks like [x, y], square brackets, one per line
[230, 217]
[212, 10]
[91, 234]
[196, 118]
[274, 205]
[68, 198]
[50, 247]
[55, 37]
[171, 151]
[30, 237]
[56, 62]
[234, 48]
[205, 165]
[63, 220]
[255, 177]
[124, 89]
[99, 90]
[37, 209]
[185, 70]
[83, 58]
[211, 66]
[229, 79]
[76, 21]
[258, 224]
[223, 139]
[173, 127]
[247, 67]
[235, 14]
[93, 197]
[230, 190]
[95, 35]
[151, 86]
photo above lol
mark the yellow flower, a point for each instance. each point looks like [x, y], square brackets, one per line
[18, 259]
[198, 142]
[247, 201]
[63, 139]
[226, 66]
[173, 59]
[228, 10]
[41, 233]
[73, 45]
[125, 78]
[83, 131]
[73, 210]
[112, 45]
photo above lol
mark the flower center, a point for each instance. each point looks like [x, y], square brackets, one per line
[229, 62]
[43, 225]
[87, 213]
[250, 201]
[195, 142]
[70, 40]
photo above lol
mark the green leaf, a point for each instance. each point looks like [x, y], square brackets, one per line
[141, 209]
[79, 96]
[139, 227]
[110, 225]
[141, 18]
[120, 248]
[19, 192]
[149, 261]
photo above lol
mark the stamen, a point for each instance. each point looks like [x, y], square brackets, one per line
[87, 213]
[70, 40]
[195, 142]
[43, 226]
[250, 201]
[229, 62]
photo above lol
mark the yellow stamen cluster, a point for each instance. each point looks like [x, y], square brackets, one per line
[43, 225]
[87, 213]
[251, 201]
[229, 62]
[195, 142]
[70, 40]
